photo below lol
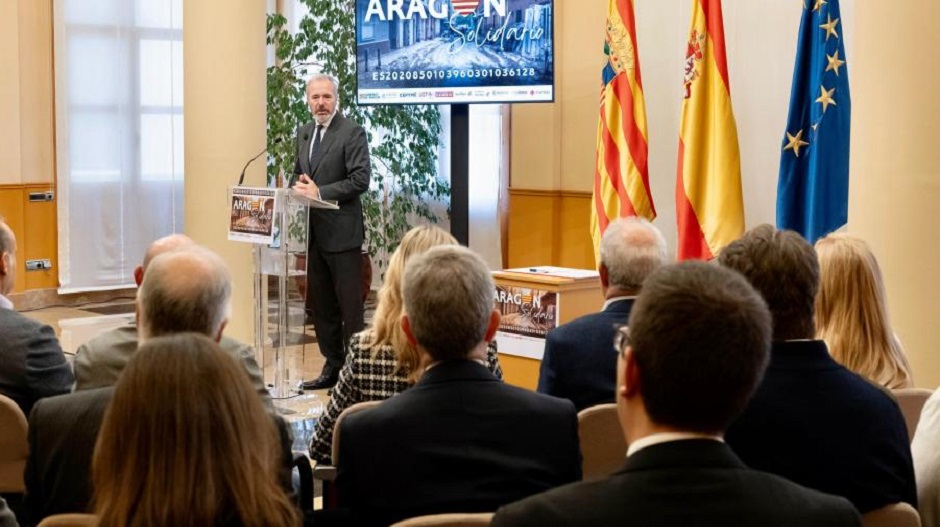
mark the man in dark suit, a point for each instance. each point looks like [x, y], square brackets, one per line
[32, 364]
[183, 290]
[333, 164]
[577, 363]
[697, 344]
[459, 440]
[813, 421]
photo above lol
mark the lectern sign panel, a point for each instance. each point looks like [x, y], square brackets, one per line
[252, 214]
[527, 316]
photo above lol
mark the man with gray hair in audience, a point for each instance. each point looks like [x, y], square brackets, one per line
[459, 440]
[187, 288]
[577, 363]
[100, 361]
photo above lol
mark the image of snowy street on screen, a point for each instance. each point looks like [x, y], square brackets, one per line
[496, 50]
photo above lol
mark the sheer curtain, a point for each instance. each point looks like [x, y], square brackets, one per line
[119, 135]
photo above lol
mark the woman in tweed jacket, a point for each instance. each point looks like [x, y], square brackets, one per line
[381, 362]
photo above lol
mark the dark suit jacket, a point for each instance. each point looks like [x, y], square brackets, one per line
[62, 435]
[696, 482]
[32, 365]
[458, 441]
[816, 423]
[342, 174]
[580, 363]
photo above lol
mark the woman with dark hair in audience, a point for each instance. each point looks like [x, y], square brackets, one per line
[852, 312]
[381, 362]
[186, 441]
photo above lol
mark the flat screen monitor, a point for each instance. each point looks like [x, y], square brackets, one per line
[454, 51]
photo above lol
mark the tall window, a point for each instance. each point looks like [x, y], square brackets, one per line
[119, 135]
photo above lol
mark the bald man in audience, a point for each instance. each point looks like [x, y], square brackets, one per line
[100, 361]
[185, 289]
[32, 364]
[812, 420]
[460, 440]
[697, 345]
[577, 363]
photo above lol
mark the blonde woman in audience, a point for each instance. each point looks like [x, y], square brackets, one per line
[187, 441]
[852, 312]
[381, 362]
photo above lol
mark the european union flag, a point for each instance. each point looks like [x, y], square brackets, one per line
[813, 190]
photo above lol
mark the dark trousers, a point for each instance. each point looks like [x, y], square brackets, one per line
[334, 298]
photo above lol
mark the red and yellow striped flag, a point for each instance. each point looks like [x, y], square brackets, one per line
[709, 205]
[621, 179]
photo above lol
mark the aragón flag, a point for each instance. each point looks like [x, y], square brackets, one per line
[813, 189]
[621, 179]
[709, 206]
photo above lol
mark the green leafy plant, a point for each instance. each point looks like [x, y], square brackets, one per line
[403, 139]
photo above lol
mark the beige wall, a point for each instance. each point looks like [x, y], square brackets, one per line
[895, 185]
[26, 128]
[9, 92]
[225, 109]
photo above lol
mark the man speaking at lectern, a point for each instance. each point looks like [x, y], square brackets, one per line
[332, 164]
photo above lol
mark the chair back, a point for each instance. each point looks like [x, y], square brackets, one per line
[448, 520]
[14, 447]
[603, 446]
[358, 407]
[894, 515]
[911, 401]
[69, 520]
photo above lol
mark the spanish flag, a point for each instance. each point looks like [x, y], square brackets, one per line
[621, 179]
[709, 206]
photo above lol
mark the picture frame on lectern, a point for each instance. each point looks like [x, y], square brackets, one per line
[454, 52]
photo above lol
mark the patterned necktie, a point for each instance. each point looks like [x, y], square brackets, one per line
[315, 151]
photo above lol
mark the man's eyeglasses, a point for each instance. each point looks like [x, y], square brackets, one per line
[621, 339]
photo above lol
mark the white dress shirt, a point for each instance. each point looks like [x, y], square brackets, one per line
[666, 437]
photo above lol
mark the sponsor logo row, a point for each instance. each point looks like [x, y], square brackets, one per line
[537, 93]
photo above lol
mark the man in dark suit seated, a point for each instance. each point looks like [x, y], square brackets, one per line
[459, 440]
[813, 421]
[577, 363]
[697, 344]
[185, 290]
[32, 364]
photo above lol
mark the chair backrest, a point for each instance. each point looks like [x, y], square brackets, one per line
[358, 407]
[14, 446]
[895, 515]
[603, 446]
[481, 519]
[70, 520]
[911, 401]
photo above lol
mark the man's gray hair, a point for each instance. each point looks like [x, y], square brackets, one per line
[184, 290]
[631, 249]
[325, 77]
[448, 296]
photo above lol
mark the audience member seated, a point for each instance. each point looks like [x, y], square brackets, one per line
[99, 362]
[460, 440]
[32, 365]
[187, 441]
[186, 290]
[812, 420]
[852, 313]
[381, 361]
[578, 364]
[695, 350]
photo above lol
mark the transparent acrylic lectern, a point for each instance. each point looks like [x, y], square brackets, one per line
[280, 273]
